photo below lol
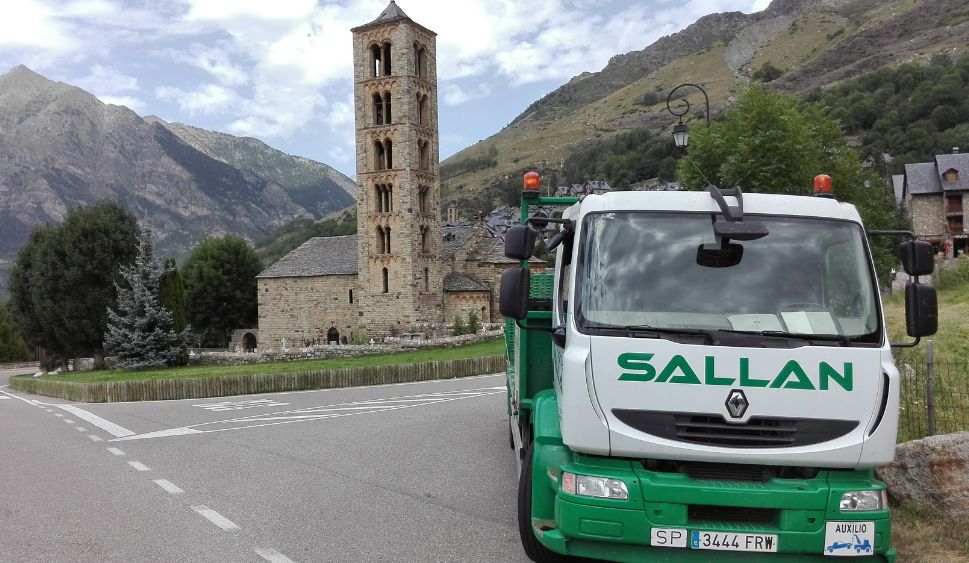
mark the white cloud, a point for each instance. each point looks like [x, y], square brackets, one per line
[455, 95]
[256, 9]
[210, 99]
[106, 80]
[215, 60]
[132, 103]
[31, 24]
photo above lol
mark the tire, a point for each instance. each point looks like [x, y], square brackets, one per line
[533, 548]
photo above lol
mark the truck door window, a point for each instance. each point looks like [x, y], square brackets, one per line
[563, 277]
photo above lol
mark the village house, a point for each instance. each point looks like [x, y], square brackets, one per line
[937, 195]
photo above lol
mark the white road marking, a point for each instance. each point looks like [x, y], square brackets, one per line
[3, 397]
[271, 555]
[138, 465]
[48, 410]
[115, 451]
[12, 396]
[238, 405]
[58, 415]
[67, 421]
[215, 517]
[318, 413]
[168, 486]
[106, 425]
[80, 429]
[94, 438]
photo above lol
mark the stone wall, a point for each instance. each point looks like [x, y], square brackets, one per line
[460, 302]
[928, 215]
[297, 312]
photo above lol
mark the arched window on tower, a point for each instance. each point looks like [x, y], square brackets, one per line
[378, 110]
[424, 155]
[427, 280]
[386, 59]
[387, 239]
[422, 109]
[381, 239]
[420, 61]
[379, 157]
[425, 240]
[389, 150]
[387, 117]
[423, 199]
[386, 276]
[375, 59]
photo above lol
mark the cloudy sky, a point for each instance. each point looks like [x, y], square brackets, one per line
[281, 70]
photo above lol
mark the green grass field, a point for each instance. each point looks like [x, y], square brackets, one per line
[487, 348]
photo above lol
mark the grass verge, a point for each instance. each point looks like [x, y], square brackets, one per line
[487, 348]
[923, 536]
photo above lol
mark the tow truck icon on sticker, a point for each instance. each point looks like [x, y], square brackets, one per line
[849, 539]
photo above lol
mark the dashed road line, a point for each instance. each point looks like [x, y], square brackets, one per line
[168, 486]
[215, 517]
[115, 451]
[91, 418]
[139, 466]
[94, 438]
[271, 555]
[80, 429]
[58, 415]
[68, 421]
[3, 397]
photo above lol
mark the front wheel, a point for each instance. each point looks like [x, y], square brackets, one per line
[533, 548]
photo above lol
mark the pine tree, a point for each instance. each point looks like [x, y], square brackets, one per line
[474, 323]
[140, 332]
[459, 328]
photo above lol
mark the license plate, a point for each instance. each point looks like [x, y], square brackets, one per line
[722, 541]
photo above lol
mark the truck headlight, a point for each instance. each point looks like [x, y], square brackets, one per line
[859, 501]
[599, 487]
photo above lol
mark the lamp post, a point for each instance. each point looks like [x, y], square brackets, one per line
[681, 132]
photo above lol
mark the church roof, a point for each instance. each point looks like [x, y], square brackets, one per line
[458, 281]
[392, 13]
[319, 256]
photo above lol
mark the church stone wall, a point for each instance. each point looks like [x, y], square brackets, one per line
[298, 311]
[460, 302]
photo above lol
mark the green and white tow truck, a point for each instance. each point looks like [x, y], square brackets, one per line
[704, 376]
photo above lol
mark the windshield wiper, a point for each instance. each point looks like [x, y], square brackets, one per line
[843, 340]
[656, 332]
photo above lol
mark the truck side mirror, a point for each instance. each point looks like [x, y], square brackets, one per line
[921, 310]
[917, 257]
[520, 242]
[514, 292]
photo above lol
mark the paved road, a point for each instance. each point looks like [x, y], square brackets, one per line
[412, 472]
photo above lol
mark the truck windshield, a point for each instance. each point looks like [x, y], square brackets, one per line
[808, 276]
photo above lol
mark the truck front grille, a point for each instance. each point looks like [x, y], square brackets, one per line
[713, 430]
[698, 513]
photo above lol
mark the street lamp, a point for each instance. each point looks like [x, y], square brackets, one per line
[681, 135]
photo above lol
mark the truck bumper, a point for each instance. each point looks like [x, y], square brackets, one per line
[794, 510]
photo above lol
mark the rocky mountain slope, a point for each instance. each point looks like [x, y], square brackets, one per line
[813, 42]
[61, 147]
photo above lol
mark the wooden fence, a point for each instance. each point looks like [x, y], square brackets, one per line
[228, 385]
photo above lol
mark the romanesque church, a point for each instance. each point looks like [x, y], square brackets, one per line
[404, 270]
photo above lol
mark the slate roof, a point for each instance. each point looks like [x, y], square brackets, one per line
[960, 163]
[392, 13]
[898, 186]
[922, 178]
[319, 256]
[457, 281]
[456, 235]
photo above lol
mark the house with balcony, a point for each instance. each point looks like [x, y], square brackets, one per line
[937, 195]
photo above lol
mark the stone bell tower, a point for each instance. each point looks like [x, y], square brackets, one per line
[398, 187]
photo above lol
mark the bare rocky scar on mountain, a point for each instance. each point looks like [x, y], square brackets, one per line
[61, 147]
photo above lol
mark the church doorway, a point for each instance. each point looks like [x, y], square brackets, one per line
[333, 336]
[249, 342]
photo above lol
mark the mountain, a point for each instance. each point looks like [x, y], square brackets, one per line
[813, 43]
[314, 185]
[61, 147]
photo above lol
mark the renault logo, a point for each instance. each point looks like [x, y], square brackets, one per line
[736, 403]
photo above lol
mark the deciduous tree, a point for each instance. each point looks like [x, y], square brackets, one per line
[220, 287]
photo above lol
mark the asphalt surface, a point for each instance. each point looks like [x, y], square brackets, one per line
[410, 472]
